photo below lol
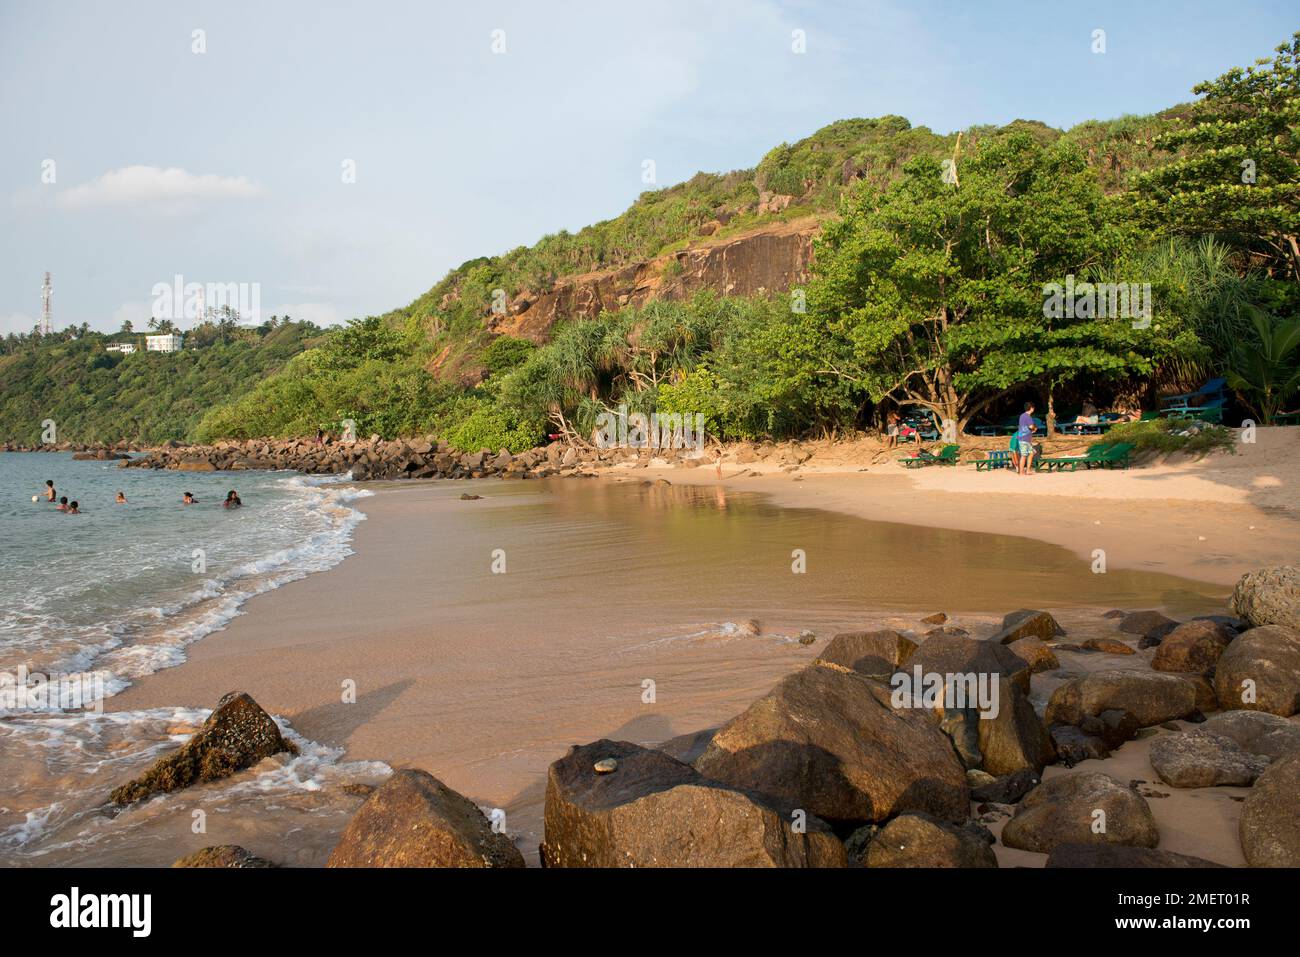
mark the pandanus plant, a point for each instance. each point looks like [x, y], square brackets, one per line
[1265, 370]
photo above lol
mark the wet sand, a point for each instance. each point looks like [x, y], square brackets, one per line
[485, 679]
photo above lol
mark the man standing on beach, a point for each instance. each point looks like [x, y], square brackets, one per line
[1025, 438]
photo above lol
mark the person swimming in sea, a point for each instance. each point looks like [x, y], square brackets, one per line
[188, 499]
[63, 504]
[72, 509]
[121, 498]
[49, 490]
[232, 500]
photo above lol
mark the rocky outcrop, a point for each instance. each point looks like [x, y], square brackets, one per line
[1269, 596]
[1080, 808]
[1202, 759]
[1260, 671]
[223, 855]
[1150, 697]
[869, 652]
[919, 840]
[1150, 625]
[651, 810]
[1270, 818]
[827, 739]
[1194, 646]
[235, 736]
[771, 258]
[414, 820]
[1015, 739]
[956, 655]
[1035, 653]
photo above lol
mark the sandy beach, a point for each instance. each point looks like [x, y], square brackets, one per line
[486, 696]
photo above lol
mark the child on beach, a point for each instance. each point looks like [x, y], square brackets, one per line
[73, 509]
[121, 498]
[63, 504]
[49, 490]
[1025, 439]
[188, 498]
[232, 500]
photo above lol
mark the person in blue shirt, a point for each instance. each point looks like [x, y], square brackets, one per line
[1025, 438]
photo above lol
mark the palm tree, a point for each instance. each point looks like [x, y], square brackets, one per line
[1265, 373]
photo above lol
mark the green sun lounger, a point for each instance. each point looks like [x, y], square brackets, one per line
[947, 456]
[1069, 463]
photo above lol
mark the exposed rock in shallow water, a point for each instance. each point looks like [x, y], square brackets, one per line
[1080, 808]
[1270, 817]
[414, 820]
[1260, 671]
[1203, 759]
[1120, 855]
[919, 840]
[223, 855]
[1151, 625]
[1269, 596]
[1035, 653]
[828, 740]
[1026, 623]
[654, 811]
[236, 736]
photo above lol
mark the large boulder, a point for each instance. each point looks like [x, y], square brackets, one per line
[235, 736]
[1120, 855]
[1257, 732]
[1027, 623]
[1150, 625]
[1007, 789]
[1080, 808]
[1203, 759]
[1269, 596]
[1260, 671]
[223, 855]
[1014, 739]
[1150, 697]
[946, 654]
[1194, 646]
[869, 652]
[414, 820]
[1035, 653]
[919, 840]
[828, 740]
[1270, 818]
[651, 810]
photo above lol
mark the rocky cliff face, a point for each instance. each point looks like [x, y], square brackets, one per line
[764, 259]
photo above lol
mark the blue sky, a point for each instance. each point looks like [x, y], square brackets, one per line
[226, 165]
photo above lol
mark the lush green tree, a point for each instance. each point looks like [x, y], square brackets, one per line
[1264, 368]
[1237, 166]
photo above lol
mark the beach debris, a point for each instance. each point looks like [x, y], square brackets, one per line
[414, 820]
[222, 855]
[1026, 622]
[605, 766]
[235, 736]
[1194, 646]
[664, 813]
[1120, 855]
[869, 652]
[1270, 817]
[1269, 596]
[919, 840]
[1203, 759]
[1151, 697]
[1065, 809]
[1265, 662]
[828, 740]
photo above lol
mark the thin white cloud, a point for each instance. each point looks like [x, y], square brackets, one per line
[153, 185]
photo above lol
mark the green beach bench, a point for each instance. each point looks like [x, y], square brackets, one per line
[997, 459]
[1064, 463]
[947, 456]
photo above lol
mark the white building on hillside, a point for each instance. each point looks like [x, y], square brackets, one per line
[169, 342]
[124, 347]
